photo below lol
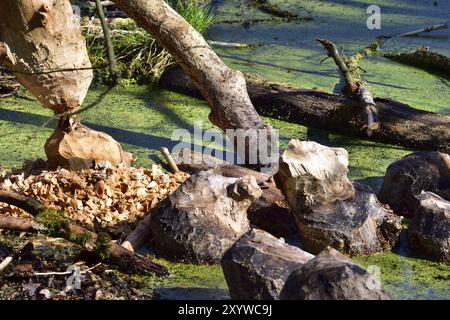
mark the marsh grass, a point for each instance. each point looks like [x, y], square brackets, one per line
[139, 57]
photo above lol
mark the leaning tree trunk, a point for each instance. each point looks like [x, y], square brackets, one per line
[41, 42]
[224, 88]
[40, 36]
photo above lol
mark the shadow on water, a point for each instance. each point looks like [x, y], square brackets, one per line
[175, 293]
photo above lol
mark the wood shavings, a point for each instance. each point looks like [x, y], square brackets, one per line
[105, 195]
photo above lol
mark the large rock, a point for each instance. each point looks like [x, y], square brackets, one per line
[258, 264]
[76, 147]
[203, 217]
[311, 174]
[332, 276]
[270, 212]
[429, 232]
[414, 173]
[358, 225]
[329, 209]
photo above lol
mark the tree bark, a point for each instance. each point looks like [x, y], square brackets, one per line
[39, 37]
[30, 205]
[19, 224]
[224, 88]
[400, 124]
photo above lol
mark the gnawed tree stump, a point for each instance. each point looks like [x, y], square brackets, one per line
[78, 146]
[429, 232]
[41, 42]
[314, 174]
[269, 212]
[332, 276]
[329, 209]
[414, 173]
[203, 217]
[258, 264]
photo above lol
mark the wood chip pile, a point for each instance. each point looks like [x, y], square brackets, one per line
[104, 196]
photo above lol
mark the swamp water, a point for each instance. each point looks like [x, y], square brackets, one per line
[142, 120]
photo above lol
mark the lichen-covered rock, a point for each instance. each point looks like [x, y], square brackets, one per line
[258, 264]
[332, 276]
[203, 217]
[429, 232]
[329, 209]
[414, 173]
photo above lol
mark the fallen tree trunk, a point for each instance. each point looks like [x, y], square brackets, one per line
[224, 88]
[400, 124]
[423, 58]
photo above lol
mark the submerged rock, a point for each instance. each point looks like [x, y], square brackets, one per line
[329, 209]
[258, 264]
[429, 232]
[203, 217]
[414, 173]
[332, 276]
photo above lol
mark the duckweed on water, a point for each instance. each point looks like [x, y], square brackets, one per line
[410, 278]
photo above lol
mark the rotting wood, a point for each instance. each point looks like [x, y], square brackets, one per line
[423, 58]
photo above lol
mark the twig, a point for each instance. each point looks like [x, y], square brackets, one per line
[5, 263]
[416, 32]
[231, 44]
[165, 152]
[46, 274]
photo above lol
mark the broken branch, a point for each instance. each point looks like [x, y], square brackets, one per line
[19, 224]
[30, 205]
[165, 152]
[356, 87]
[5, 263]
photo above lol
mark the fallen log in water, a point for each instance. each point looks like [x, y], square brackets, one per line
[423, 58]
[400, 123]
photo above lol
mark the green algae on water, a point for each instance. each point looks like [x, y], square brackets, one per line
[409, 277]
